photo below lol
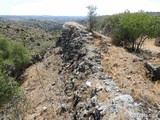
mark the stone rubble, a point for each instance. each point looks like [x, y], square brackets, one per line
[81, 73]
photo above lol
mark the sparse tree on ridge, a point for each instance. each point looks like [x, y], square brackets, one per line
[91, 16]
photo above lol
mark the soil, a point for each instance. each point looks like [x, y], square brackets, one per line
[149, 45]
[39, 81]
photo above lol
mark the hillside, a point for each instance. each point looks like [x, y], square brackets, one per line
[85, 77]
[43, 18]
[36, 33]
[32, 38]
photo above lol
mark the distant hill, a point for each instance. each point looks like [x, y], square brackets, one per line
[45, 17]
[30, 37]
[48, 23]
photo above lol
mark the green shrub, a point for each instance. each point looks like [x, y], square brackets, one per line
[13, 59]
[110, 23]
[120, 37]
[134, 28]
[44, 46]
[13, 54]
[8, 89]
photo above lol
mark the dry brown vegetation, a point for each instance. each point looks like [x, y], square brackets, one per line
[149, 44]
[39, 80]
[129, 72]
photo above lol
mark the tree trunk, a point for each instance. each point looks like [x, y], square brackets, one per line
[141, 42]
[133, 45]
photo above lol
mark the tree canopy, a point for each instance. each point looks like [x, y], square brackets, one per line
[135, 28]
[91, 16]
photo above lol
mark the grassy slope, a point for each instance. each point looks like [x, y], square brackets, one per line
[29, 34]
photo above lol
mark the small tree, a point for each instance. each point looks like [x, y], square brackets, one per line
[135, 28]
[91, 16]
[109, 24]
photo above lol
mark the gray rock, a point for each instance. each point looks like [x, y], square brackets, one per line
[126, 99]
[154, 71]
[81, 66]
[105, 50]
[94, 101]
[94, 69]
[103, 77]
[90, 38]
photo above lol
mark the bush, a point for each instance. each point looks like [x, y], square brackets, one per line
[13, 59]
[8, 89]
[134, 28]
[121, 37]
[13, 55]
[109, 24]
[42, 49]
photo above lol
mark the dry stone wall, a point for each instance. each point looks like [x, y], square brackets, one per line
[88, 92]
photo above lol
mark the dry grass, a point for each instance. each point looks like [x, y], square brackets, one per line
[130, 76]
[149, 44]
[44, 102]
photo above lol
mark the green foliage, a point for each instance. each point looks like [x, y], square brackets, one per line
[8, 89]
[43, 48]
[13, 54]
[120, 36]
[109, 24]
[30, 37]
[139, 24]
[134, 28]
[13, 57]
[20, 56]
[91, 16]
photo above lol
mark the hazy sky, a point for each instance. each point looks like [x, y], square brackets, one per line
[74, 7]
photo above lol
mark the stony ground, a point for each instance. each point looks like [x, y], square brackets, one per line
[129, 72]
[85, 77]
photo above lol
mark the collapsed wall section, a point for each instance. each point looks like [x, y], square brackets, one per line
[88, 92]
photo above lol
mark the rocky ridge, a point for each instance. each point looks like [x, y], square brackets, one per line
[88, 92]
[71, 83]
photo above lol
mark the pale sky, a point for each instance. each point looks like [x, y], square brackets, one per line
[74, 7]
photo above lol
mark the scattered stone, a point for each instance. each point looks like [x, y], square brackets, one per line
[90, 34]
[44, 109]
[105, 50]
[154, 71]
[53, 84]
[126, 99]
[76, 100]
[88, 83]
[94, 101]
[128, 77]
[138, 59]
